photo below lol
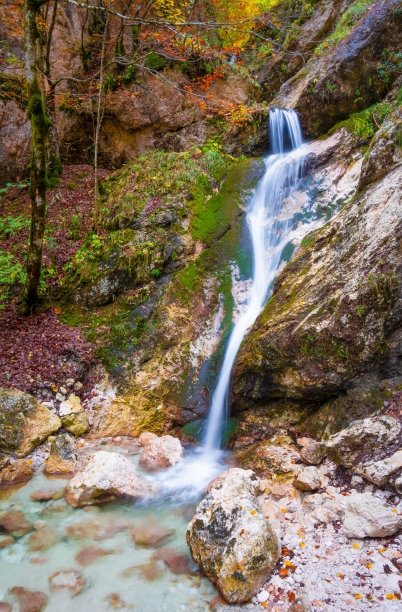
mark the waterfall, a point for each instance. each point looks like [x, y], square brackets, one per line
[268, 231]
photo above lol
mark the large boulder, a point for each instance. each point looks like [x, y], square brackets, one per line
[161, 453]
[24, 422]
[104, 477]
[363, 439]
[231, 539]
[367, 516]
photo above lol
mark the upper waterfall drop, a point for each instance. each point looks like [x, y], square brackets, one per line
[268, 232]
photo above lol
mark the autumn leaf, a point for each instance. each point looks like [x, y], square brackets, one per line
[390, 596]
[291, 596]
[302, 544]
[57, 310]
[355, 545]
[253, 512]
[369, 565]
[288, 563]
[283, 572]
[358, 596]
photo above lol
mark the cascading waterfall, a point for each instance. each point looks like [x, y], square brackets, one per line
[268, 230]
[269, 220]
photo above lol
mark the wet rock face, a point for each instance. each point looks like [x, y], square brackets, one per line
[104, 477]
[231, 539]
[329, 334]
[24, 422]
[160, 453]
[330, 88]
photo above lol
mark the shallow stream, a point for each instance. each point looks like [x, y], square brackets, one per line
[123, 576]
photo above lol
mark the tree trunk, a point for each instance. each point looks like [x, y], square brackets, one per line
[40, 127]
[99, 119]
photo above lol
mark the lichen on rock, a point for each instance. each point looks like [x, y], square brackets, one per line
[231, 539]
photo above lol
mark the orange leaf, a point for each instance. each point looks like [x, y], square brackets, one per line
[57, 310]
[369, 565]
[253, 512]
[358, 596]
[283, 572]
[390, 596]
[302, 544]
[288, 563]
[355, 545]
[291, 596]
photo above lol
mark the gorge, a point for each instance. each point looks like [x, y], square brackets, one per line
[204, 409]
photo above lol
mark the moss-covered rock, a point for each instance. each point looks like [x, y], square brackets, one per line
[24, 422]
[63, 456]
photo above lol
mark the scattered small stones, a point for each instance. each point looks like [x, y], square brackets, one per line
[29, 601]
[15, 523]
[161, 453]
[16, 472]
[67, 579]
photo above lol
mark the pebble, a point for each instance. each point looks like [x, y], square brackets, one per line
[60, 397]
[63, 390]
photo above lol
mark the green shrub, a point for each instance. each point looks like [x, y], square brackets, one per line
[11, 272]
[345, 25]
[154, 61]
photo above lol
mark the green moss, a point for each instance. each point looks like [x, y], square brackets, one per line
[365, 123]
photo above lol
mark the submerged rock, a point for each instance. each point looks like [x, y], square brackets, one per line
[150, 534]
[24, 422]
[67, 579]
[47, 495]
[365, 438]
[231, 539]
[44, 539]
[161, 453]
[29, 601]
[62, 457]
[104, 477]
[88, 555]
[367, 516]
[177, 562]
[16, 472]
[15, 523]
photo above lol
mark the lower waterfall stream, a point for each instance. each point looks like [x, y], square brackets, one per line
[126, 576]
